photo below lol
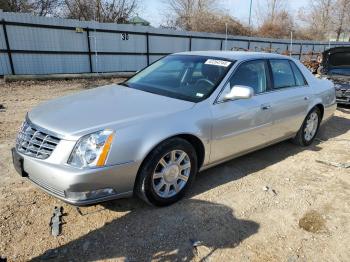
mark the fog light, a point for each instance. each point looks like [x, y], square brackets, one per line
[76, 196]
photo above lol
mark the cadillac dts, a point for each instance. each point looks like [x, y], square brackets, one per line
[151, 134]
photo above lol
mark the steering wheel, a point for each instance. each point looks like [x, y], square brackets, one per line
[205, 81]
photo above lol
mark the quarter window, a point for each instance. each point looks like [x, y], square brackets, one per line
[252, 74]
[282, 74]
[299, 78]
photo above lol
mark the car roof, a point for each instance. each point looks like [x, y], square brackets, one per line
[234, 55]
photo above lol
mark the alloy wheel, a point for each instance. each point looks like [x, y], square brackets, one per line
[171, 173]
[311, 126]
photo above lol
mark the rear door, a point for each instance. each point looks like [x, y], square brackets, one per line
[290, 98]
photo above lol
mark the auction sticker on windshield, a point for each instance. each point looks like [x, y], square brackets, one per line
[217, 62]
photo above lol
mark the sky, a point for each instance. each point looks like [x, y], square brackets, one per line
[153, 10]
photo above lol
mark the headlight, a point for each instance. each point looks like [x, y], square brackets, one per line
[92, 150]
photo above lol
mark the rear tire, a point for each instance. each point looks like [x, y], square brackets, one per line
[167, 173]
[309, 128]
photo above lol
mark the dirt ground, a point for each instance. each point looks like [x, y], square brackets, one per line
[277, 204]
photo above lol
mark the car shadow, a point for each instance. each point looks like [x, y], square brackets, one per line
[162, 234]
[245, 165]
[343, 107]
[335, 127]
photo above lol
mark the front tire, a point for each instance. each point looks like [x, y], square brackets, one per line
[167, 173]
[309, 128]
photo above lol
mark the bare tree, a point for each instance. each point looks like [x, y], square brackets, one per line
[318, 18]
[201, 16]
[118, 11]
[324, 18]
[81, 10]
[46, 7]
[275, 19]
[37, 7]
[113, 11]
[216, 22]
[15, 5]
[268, 10]
[279, 26]
[183, 12]
[341, 17]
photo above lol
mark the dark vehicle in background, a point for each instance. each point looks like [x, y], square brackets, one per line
[336, 67]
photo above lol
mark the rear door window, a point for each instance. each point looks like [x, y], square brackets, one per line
[282, 73]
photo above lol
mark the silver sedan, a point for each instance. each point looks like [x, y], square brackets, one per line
[184, 113]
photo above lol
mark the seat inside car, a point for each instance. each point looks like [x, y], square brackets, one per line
[248, 77]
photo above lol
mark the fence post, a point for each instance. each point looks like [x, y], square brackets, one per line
[190, 47]
[147, 47]
[8, 49]
[301, 50]
[222, 40]
[89, 47]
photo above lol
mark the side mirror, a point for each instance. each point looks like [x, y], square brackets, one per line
[239, 92]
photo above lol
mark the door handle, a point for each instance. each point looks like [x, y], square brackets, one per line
[306, 98]
[265, 107]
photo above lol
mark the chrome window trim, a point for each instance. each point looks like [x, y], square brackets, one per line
[264, 93]
[271, 90]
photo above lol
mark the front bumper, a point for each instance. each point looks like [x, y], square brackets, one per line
[64, 181]
[343, 100]
[343, 96]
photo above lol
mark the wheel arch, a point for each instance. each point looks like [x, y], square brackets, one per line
[194, 140]
[321, 108]
[197, 145]
[317, 103]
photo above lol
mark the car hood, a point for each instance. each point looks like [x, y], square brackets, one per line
[104, 107]
[336, 59]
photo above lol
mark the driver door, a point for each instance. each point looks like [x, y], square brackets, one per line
[242, 125]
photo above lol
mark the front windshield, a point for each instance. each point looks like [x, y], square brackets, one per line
[188, 77]
[340, 71]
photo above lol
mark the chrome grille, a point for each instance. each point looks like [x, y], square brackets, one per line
[343, 93]
[33, 142]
